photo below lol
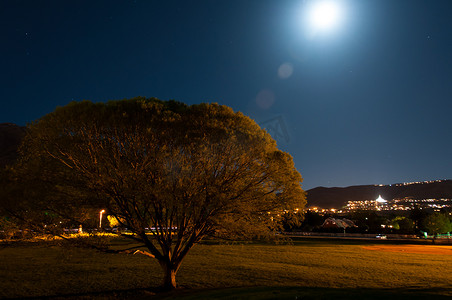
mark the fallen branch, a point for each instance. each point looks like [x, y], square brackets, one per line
[133, 252]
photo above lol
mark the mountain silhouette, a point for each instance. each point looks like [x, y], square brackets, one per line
[337, 197]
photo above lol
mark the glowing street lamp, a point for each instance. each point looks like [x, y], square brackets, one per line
[100, 218]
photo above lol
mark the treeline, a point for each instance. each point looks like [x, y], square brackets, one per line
[417, 221]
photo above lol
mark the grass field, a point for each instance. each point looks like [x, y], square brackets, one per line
[309, 269]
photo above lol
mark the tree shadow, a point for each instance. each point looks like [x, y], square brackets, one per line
[261, 293]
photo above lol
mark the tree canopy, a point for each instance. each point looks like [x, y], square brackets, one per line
[437, 223]
[182, 171]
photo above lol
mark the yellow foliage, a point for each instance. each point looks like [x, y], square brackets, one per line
[115, 221]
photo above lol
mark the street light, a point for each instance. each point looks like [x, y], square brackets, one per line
[100, 218]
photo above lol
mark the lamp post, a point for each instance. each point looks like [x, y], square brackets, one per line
[100, 218]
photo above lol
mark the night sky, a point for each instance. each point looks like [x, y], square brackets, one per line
[366, 101]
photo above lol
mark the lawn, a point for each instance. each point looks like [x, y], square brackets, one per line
[309, 269]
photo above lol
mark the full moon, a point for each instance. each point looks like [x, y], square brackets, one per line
[324, 15]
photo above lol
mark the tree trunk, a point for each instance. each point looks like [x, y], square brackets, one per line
[169, 279]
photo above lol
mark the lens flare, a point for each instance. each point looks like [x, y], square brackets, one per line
[265, 99]
[285, 70]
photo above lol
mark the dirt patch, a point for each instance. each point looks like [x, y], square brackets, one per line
[421, 249]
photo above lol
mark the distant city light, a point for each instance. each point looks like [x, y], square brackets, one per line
[399, 204]
[380, 200]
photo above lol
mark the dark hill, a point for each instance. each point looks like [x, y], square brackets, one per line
[337, 197]
[10, 137]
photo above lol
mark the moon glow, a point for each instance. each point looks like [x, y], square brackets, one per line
[324, 15]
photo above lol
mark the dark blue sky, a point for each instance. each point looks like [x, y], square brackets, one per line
[368, 102]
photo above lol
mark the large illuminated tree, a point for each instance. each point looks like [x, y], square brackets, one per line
[437, 223]
[183, 171]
